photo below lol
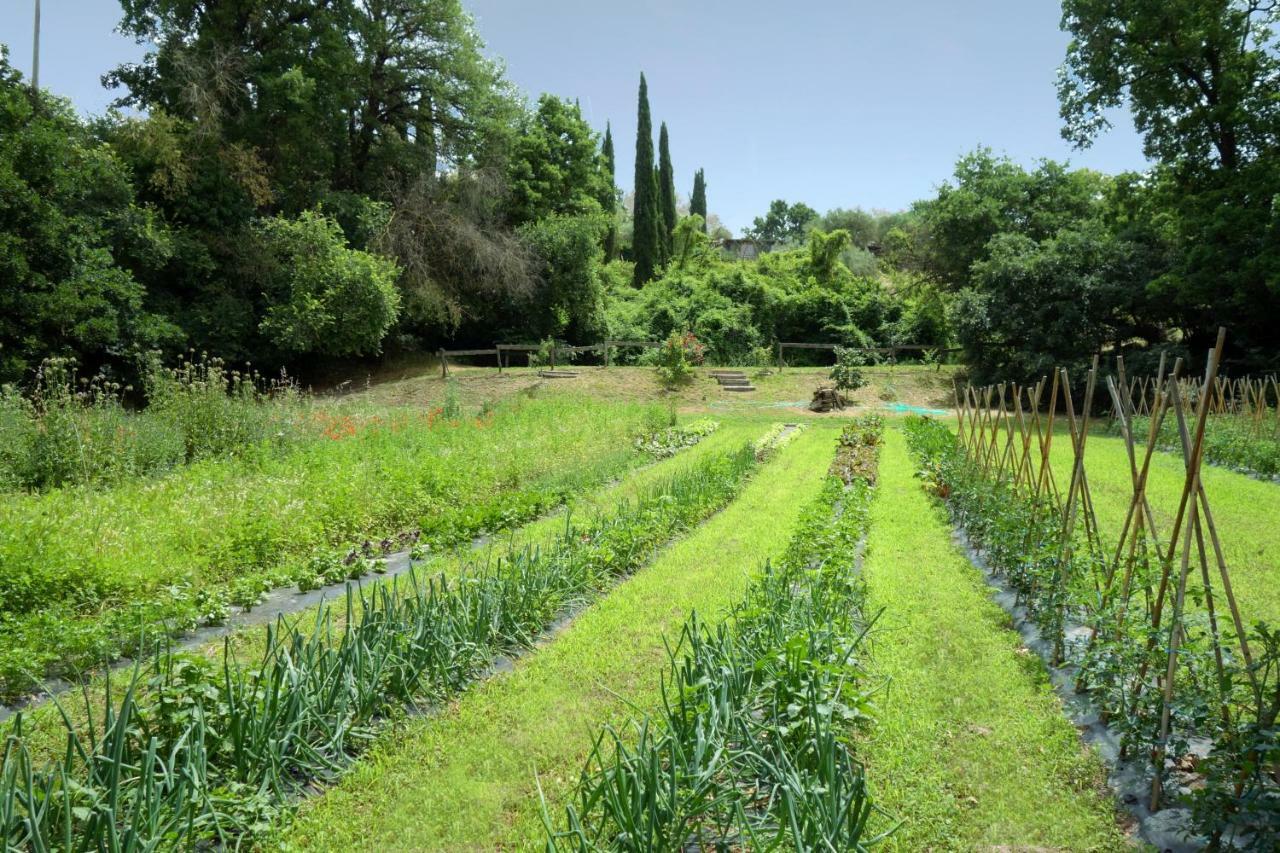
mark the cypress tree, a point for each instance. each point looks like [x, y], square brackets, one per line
[662, 237]
[667, 187]
[644, 241]
[698, 200]
[608, 196]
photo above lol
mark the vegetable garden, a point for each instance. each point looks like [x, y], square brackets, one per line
[567, 623]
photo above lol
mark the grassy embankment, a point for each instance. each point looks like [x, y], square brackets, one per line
[420, 384]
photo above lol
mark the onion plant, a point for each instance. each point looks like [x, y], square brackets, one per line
[193, 752]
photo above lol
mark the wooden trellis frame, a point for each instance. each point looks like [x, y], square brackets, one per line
[1008, 441]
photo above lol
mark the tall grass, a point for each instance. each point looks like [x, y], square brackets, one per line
[193, 753]
[87, 572]
[72, 430]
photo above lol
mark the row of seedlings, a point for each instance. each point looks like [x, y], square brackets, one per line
[191, 752]
[750, 747]
[1137, 612]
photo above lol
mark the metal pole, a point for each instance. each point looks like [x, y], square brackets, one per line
[35, 53]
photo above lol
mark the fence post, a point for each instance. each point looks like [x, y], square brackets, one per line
[779, 356]
[444, 363]
[498, 348]
[608, 350]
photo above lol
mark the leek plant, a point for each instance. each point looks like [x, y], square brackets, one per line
[194, 753]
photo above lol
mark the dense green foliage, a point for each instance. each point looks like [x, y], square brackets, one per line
[804, 294]
[72, 234]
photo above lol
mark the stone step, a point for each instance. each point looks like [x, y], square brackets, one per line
[739, 387]
[734, 380]
[556, 374]
[719, 372]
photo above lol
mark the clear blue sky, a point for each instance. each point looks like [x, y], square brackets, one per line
[837, 103]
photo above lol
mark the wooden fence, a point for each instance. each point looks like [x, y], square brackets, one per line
[892, 351]
[502, 352]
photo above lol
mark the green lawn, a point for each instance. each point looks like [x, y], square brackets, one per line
[468, 778]
[970, 747]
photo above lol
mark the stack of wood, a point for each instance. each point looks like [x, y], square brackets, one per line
[827, 399]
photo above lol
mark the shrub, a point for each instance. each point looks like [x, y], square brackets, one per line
[677, 357]
[847, 373]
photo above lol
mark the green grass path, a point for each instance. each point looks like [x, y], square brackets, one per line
[465, 779]
[1245, 511]
[970, 747]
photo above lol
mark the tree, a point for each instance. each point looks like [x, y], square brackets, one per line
[698, 198]
[335, 93]
[784, 224]
[667, 188]
[1038, 304]
[993, 195]
[327, 298]
[569, 299]
[554, 167]
[72, 236]
[645, 239]
[863, 227]
[609, 197]
[1199, 78]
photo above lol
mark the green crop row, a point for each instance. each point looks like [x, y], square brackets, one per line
[750, 748]
[193, 752]
[1230, 702]
[1232, 441]
[88, 575]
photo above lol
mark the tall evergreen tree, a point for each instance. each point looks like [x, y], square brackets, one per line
[609, 199]
[698, 200]
[645, 239]
[667, 188]
[663, 236]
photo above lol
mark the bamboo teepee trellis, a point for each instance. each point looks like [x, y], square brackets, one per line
[1011, 442]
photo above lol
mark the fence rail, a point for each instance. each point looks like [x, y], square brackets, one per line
[891, 350]
[500, 352]
[606, 347]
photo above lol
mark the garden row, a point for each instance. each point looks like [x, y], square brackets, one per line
[189, 751]
[1142, 613]
[89, 575]
[750, 747]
